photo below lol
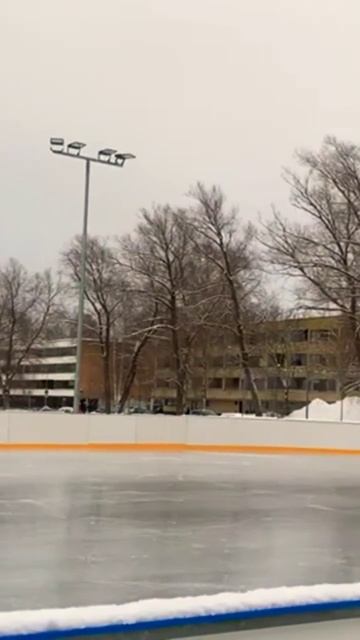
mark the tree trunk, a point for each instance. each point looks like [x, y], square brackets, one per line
[286, 400]
[107, 382]
[130, 375]
[107, 370]
[179, 365]
[248, 372]
[180, 393]
[240, 335]
[252, 387]
[355, 331]
[132, 369]
[6, 398]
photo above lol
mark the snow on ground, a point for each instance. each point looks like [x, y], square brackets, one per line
[347, 410]
[320, 410]
[176, 608]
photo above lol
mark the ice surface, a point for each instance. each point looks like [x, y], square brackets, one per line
[144, 611]
[90, 528]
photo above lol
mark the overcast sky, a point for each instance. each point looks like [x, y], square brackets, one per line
[217, 90]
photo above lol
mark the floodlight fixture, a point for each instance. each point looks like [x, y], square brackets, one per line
[75, 147]
[57, 145]
[120, 158]
[105, 155]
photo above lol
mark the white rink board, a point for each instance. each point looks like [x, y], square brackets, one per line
[31, 427]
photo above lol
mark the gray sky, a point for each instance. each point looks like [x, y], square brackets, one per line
[217, 90]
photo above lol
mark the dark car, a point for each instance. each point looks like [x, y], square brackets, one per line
[203, 412]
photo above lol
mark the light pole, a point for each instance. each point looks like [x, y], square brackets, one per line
[111, 158]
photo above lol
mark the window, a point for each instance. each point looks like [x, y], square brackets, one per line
[254, 361]
[276, 360]
[322, 360]
[44, 384]
[232, 383]
[231, 360]
[217, 362]
[48, 368]
[49, 352]
[274, 383]
[319, 385]
[319, 359]
[162, 383]
[62, 384]
[260, 383]
[323, 384]
[298, 335]
[298, 360]
[215, 383]
[297, 383]
[320, 335]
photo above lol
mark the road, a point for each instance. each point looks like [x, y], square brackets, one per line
[92, 528]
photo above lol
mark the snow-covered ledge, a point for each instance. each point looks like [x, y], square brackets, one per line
[158, 613]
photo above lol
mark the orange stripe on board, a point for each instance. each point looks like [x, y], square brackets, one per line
[167, 447]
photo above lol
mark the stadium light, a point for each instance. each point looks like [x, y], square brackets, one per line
[105, 155]
[75, 147]
[57, 145]
[109, 157]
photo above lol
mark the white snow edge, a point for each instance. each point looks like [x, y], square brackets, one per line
[22, 622]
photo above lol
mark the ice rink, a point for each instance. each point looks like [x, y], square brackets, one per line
[92, 528]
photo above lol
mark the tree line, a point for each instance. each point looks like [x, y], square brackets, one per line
[185, 276]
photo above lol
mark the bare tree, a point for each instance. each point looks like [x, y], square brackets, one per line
[162, 260]
[27, 304]
[219, 239]
[142, 326]
[323, 253]
[106, 295]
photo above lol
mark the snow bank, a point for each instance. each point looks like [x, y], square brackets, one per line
[156, 610]
[320, 410]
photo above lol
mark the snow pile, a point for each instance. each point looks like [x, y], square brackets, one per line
[22, 622]
[320, 410]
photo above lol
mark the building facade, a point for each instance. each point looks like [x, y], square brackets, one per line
[47, 376]
[293, 362]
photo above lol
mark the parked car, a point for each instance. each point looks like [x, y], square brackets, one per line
[203, 412]
[138, 410]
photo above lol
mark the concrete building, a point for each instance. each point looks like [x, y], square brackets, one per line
[47, 375]
[293, 361]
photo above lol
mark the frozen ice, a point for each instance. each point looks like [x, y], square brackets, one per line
[86, 528]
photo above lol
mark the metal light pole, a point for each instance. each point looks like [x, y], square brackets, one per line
[109, 157]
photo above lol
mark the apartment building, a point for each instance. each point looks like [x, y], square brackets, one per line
[293, 361]
[47, 375]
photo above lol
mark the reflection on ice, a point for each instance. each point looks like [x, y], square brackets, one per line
[80, 529]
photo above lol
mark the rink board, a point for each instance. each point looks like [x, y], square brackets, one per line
[31, 430]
